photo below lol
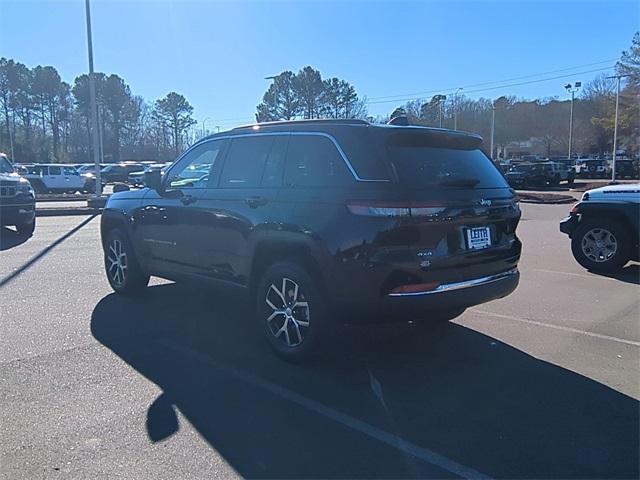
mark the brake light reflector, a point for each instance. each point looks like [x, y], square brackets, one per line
[416, 288]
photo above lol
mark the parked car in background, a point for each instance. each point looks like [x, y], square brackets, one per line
[119, 172]
[592, 168]
[322, 222]
[137, 178]
[626, 168]
[17, 199]
[54, 178]
[604, 228]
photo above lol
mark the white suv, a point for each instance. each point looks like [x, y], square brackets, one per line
[56, 178]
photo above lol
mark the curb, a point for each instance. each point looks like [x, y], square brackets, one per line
[64, 212]
[558, 200]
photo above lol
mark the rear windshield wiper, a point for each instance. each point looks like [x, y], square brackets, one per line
[461, 182]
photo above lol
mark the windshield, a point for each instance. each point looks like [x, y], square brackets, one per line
[5, 165]
[419, 166]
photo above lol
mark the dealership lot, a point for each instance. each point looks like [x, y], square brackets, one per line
[178, 384]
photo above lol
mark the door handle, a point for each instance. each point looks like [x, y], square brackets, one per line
[255, 202]
[188, 199]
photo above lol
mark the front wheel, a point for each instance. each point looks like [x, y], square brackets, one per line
[291, 311]
[600, 245]
[121, 265]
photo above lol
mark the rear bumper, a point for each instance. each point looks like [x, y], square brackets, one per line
[450, 296]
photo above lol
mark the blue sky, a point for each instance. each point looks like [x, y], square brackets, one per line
[217, 53]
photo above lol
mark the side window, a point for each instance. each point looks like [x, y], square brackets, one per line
[69, 171]
[246, 161]
[55, 171]
[194, 169]
[314, 161]
[274, 166]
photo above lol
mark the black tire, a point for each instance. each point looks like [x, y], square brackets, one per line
[610, 233]
[27, 228]
[284, 340]
[130, 280]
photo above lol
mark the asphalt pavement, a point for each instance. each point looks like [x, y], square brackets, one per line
[178, 384]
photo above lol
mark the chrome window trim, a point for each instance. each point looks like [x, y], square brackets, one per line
[449, 287]
[285, 133]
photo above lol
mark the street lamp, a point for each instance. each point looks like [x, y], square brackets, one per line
[440, 99]
[572, 89]
[92, 102]
[615, 128]
[455, 109]
[493, 126]
[203, 122]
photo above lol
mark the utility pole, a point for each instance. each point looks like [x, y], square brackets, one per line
[572, 89]
[203, 122]
[615, 128]
[92, 101]
[493, 127]
[440, 99]
[455, 109]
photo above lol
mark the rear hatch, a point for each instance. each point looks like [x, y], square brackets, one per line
[450, 213]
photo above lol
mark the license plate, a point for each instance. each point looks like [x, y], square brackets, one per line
[478, 237]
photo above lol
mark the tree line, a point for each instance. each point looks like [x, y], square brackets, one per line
[307, 95]
[546, 121]
[45, 119]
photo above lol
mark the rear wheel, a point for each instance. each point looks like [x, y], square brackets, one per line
[121, 265]
[291, 311]
[600, 245]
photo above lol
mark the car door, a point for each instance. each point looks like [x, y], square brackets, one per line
[54, 179]
[241, 204]
[72, 179]
[169, 222]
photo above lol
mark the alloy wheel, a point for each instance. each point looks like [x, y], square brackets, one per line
[599, 245]
[289, 318]
[117, 258]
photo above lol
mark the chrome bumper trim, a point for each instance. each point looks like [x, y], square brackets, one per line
[448, 287]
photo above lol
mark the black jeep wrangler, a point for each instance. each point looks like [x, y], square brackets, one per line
[17, 199]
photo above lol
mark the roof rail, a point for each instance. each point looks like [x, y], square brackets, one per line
[337, 121]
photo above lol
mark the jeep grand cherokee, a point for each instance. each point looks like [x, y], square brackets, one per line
[324, 221]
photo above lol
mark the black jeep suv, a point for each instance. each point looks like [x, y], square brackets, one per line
[324, 221]
[17, 199]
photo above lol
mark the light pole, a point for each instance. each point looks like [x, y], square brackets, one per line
[440, 99]
[493, 126]
[217, 128]
[92, 102]
[203, 122]
[455, 109]
[572, 89]
[615, 128]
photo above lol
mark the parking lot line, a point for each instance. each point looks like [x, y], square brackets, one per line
[557, 327]
[348, 421]
[572, 274]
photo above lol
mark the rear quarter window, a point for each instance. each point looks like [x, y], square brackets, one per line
[417, 163]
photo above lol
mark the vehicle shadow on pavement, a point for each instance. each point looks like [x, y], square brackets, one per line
[628, 274]
[456, 392]
[20, 270]
[10, 238]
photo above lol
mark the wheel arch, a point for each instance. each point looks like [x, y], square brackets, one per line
[270, 251]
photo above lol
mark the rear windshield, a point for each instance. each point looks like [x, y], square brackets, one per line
[417, 164]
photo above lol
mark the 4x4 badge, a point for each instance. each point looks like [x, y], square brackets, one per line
[485, 202]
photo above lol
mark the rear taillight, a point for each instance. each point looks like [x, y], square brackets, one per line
[394, 209]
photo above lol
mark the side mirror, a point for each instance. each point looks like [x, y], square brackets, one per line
[153, 179]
